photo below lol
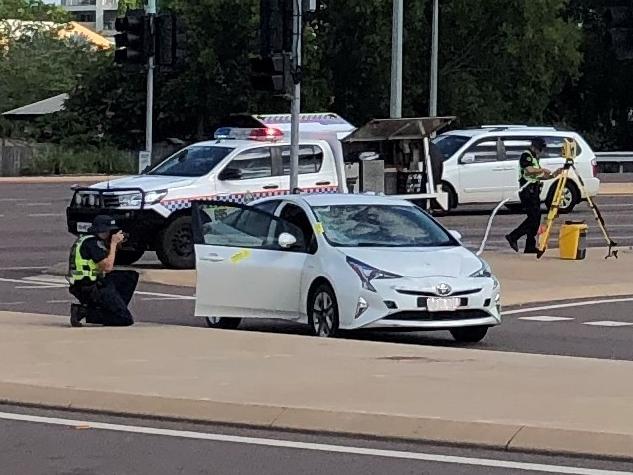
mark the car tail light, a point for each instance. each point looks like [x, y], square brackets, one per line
[594, 167]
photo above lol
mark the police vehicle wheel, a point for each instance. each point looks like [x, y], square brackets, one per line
[323, 311]
[469, 334]
[127, 257]
[223, 323]
[175, 244]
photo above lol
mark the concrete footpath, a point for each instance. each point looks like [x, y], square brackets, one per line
[524, 279]
[507, 401]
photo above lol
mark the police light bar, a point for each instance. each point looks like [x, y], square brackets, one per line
[265, 134]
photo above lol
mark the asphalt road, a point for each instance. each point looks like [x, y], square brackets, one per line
[33, 236]
[53, 442]
[33, 224]
[595, 330]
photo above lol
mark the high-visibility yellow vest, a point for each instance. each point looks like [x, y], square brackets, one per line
[534, 162]
[80, 268]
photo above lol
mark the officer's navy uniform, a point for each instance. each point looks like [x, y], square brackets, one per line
[105, 297]
[531, 201]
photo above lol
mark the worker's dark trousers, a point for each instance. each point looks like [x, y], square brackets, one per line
[107, 300]
[531, 201]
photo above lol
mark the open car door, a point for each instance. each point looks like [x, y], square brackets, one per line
[249, 263]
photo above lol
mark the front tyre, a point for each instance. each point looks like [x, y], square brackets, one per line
[469, 334]
[323, 311]
[223, 323]
[175, 244]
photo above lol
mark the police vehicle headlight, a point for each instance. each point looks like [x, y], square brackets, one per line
[153, 197]
[133, 200]
[484, 270]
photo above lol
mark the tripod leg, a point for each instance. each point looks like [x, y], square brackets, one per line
[552, 214]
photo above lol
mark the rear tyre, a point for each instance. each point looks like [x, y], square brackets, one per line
[127, 257]
[469, 334]
[452, 201]
[175, 244]
[323, 311]
[223, 323]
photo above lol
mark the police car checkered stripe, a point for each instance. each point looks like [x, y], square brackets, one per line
[184, 203]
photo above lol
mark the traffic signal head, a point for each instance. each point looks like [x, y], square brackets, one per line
[619, 20]
[270, 73]
[133, 40]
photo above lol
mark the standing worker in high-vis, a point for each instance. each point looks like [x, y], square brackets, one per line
[104, 294]
[531, 175]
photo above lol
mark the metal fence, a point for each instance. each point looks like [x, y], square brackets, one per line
[615, 162]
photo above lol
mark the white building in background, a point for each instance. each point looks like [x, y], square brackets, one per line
[98, 15]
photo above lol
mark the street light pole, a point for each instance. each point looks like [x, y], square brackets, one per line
[395, 109]
[296, 95]
[151, 11]
[434, 60]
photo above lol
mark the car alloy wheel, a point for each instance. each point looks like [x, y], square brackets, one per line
[323, 312]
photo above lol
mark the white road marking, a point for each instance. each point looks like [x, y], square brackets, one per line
[35, 204]
[546, 319]
[12, 199]
[166, 296]
[45, 215]
[567, 305]
[149, 299]
[289, 444]
[59, 301]
[608, 323]
[22, 268]
[40, 286]
[11, 303]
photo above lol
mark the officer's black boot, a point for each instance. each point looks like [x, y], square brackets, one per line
[77, 314]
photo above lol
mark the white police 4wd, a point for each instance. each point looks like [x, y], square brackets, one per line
[239, 165]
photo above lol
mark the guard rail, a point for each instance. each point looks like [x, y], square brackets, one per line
[615, 162]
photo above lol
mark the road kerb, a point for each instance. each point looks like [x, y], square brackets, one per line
[479, 434]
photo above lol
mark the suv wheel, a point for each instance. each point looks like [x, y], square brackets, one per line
[571, 197]
[223, 323]
[175, 244]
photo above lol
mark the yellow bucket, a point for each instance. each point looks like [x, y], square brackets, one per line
[572, 240]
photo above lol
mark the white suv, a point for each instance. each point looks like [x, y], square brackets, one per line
[482, 165]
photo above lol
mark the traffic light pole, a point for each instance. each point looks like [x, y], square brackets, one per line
[434, 54]
[296, 95]
[149, 122]
[395, 109]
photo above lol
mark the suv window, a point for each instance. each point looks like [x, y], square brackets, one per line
[484, 151]
[253, 163]
[516, 146]
[310, 159]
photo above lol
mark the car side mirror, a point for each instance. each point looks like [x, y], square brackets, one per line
[230, 174]
[287, 240]
[456, 234]
[468, 158]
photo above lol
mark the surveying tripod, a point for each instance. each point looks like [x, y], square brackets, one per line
[569, 154]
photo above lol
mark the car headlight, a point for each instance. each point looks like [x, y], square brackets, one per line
[153, 197]
[484, 270]
[132, 200]
[367, 273]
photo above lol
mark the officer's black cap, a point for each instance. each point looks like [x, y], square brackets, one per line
[539, 144]
[103, 224]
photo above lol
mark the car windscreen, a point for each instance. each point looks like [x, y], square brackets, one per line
[381, 226]
[450, 144]
[194, 161]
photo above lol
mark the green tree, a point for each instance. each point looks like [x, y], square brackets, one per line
[32, 10]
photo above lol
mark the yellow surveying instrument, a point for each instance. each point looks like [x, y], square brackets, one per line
[569, 154]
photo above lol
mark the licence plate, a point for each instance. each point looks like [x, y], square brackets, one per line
[437, 304]
[83, 227]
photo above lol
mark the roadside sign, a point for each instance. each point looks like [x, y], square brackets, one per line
[144, 160]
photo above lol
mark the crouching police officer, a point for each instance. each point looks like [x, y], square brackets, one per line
[531, 174]
[104, 294]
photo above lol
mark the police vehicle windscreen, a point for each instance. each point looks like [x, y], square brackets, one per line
[194, 161]
[449, 144]
[381, 226]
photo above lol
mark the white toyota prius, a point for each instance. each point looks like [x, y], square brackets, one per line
[339, 262]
